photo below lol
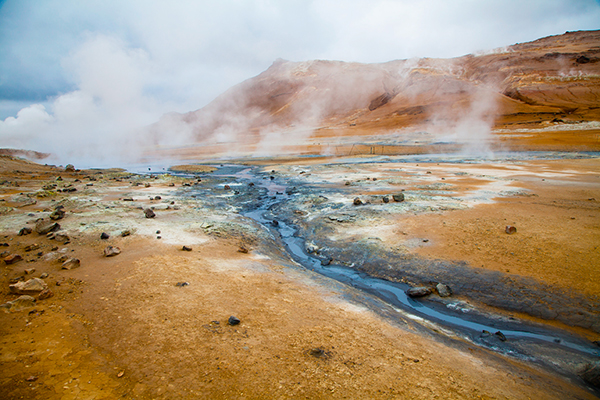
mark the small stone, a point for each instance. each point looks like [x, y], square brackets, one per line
[186, 248]
[24, 231]
[31, 247]
[357, 201]
[158, 232]
[33, 378]
[146, 185]
[510, 229]
[149, 213]
[11, 259]
[61, 237]
[104, 236]
[43, 275]
[29, 271]
[69, 168]
[120, 374]
[242, 249]
[43, 227]
[418, 291]
[233, 320]
[71, 263]
[45, 294]
[126, 232]
[57, 214]
[500, 336]
[327, 261]
[128, 199]
[182, 284]
[111, 251]
[399, 197]
[443, 290]
[32, 286]
[157, 197]
[386, 199]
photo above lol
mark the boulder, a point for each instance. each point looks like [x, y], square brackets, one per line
[32, 286]
[418, 291]
[111, 251]
[12, 258]
[149, 213]
[18, 304]
[44, 227]
[71, 263]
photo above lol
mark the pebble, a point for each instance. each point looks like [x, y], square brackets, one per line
[418, 291]
[104, 236]
[233, 320]
[510, 229]
[149, 213]
[111, 251]
[71, 263]
[186, 248]
[11, 259]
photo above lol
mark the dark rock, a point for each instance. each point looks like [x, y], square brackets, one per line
[71, 263]
[399, 197]
[485, 334]
[158, 232]
[32, 286]
[275, 223]
[327, 261]
[443, 290]
[43, 275]
[418, 291]
[357, 201]
[591, 374]
[510, 229]
[182, 284]
[128, 199]
[386, 199]
[186, 248]
[104, 236]
[233, 320]
[243, 249]
[57, 214]
[149, 213]
[12, 258]
[111, 251]
[31, 247]
[500, 336]
[25, 231]
[43, 227]
[126, 232]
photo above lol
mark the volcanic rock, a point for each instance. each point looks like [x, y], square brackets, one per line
[25, 231]
[443, 290]
[71, 263]
[12, 258]
[418, 291]
[44, 227]
[186, 248]
[111, 251]
[149, 213]
[399, 197]
[18, 304]
[233, 320]
[104, 236]
[32, 286]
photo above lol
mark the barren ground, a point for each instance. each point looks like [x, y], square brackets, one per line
[120, 327]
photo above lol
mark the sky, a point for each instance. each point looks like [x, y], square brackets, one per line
[101, 69]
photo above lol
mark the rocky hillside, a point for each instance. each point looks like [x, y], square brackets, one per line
[551, 84]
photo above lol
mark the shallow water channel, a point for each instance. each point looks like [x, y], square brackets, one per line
[546, 346]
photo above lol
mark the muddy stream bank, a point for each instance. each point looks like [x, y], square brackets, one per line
[299, 218]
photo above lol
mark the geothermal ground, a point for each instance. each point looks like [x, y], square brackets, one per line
[265, 240]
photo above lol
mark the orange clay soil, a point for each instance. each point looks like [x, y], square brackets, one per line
[119, 327]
